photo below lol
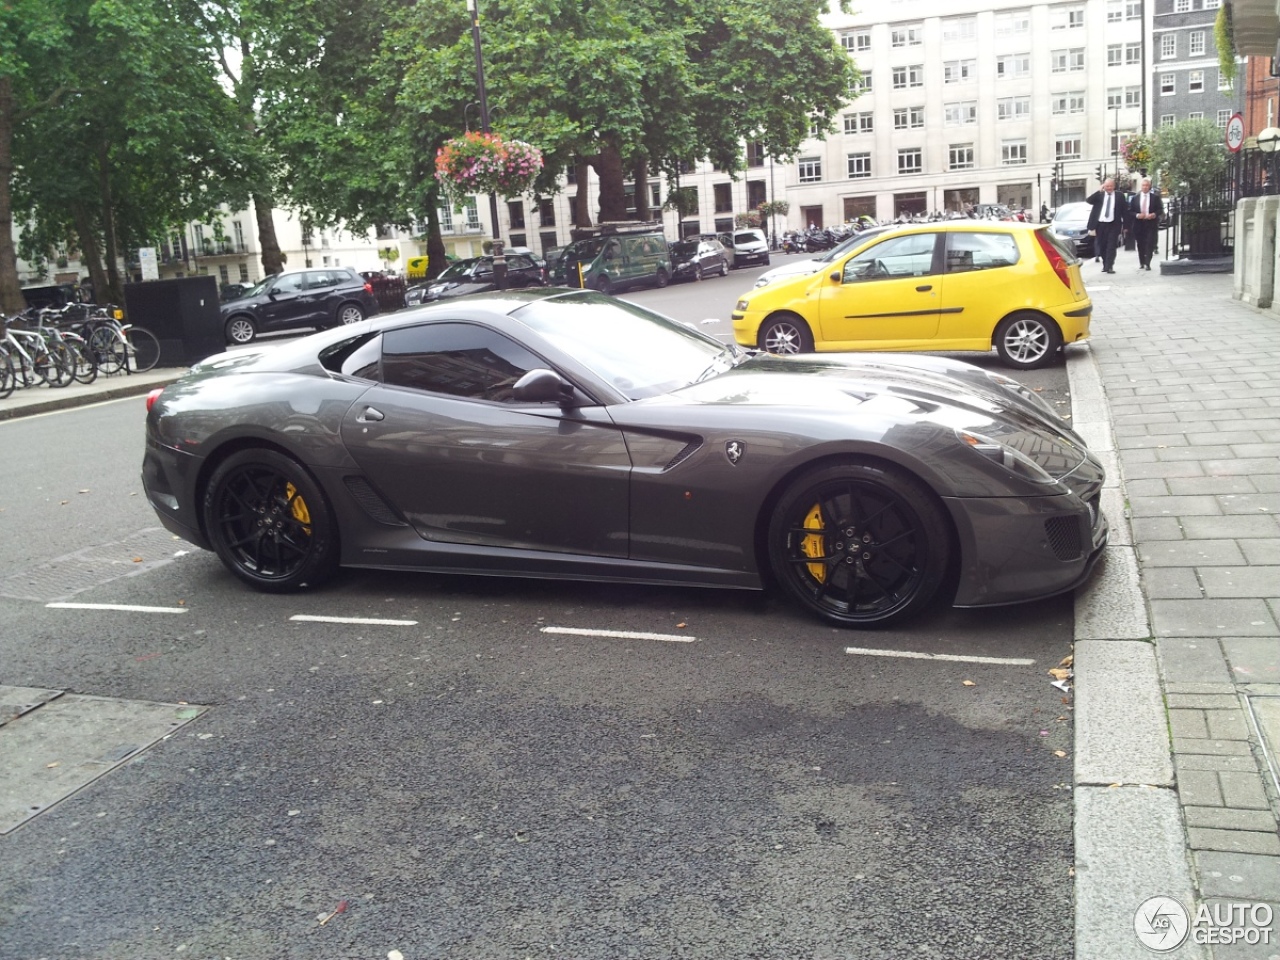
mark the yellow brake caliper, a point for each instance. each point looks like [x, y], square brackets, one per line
[814, 544]
[300, 511]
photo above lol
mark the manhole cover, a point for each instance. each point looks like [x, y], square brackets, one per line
[85, 569]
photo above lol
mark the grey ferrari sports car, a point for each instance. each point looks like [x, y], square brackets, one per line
[564, 433]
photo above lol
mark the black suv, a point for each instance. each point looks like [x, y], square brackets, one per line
[299, 298]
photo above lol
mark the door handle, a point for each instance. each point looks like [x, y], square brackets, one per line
[370, 414]
[925, 289]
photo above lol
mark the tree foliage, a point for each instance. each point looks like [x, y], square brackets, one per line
[1190, 156]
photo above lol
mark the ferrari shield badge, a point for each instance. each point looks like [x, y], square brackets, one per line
[734, 449]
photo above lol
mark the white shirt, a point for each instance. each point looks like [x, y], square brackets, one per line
[1107, 211]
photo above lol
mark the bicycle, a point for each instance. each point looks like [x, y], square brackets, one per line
[117, 346]
[37, 361]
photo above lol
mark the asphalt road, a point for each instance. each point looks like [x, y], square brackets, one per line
[473, 785]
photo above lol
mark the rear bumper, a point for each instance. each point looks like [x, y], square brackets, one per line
[169, 481]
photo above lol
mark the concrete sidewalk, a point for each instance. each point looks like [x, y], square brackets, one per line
[1178, 646]
[1177, 654]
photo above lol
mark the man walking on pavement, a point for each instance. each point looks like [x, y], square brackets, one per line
[1146, 208]
[1105, 222]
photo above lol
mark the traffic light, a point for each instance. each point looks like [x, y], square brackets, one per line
[1102, 173]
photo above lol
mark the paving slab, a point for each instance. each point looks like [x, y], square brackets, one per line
[1110, 605]
[1212, 618]
[1120, 728]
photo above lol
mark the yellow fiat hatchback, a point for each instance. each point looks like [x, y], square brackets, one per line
[950, 285]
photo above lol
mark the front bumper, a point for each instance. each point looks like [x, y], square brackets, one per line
[1018, 549]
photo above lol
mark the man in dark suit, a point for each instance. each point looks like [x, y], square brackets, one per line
[1106, 221]
[1146, 207]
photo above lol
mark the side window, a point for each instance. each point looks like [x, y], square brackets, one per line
[980, 251]
[519, 263]
[319, 278]
[458, 359]
[910, 256]
[484, 268]
[288, 283]
[357, 357]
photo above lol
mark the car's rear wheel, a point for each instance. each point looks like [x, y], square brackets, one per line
[1026, 340]
[784, 334]
[269, 522]
[241, 330]
[350, 313]
[860, 544]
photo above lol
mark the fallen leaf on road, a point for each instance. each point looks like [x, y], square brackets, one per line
[1059, 753]
[84, 491]
[969, 683]
[50, 766]
[1060, 673]
[1067, 661]
[681, 626]
[137, 559]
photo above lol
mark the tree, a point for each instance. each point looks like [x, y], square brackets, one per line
[1191, 157]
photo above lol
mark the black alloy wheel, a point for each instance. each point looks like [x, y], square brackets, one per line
[269, 522]
[860, 544]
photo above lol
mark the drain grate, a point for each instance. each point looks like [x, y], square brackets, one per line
[85, 569]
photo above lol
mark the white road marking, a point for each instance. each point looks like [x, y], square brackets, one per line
[620, 634]
[360, 620]
[950, 657]
[127, 607]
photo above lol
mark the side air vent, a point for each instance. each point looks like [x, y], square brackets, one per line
[689, 450]
[377, 508]
[1064, 537]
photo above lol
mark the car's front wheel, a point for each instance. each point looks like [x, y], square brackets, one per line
[604, 284]
[662, 277]
[785, 334]
[860, 544]
[241, 330]
[1026, 340]
[269, 521]
[350, 313]
[724, 268]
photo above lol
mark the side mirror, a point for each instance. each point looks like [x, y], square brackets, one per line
[541, 386]
[836, 276]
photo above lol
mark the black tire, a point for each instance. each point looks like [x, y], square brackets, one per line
[86, 367]
[1027, 340]
[662, 277]
[766, 260]
[269, 522]
[8, 379]
[860, 544]
[785, 333]
[724, 268]
[604, 284]
[61, 371]
[144, 349]
[241, 329]
[108, 351]
[350, 313]
[697, 273]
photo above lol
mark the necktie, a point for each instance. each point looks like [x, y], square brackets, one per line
[1144, 204]
[1106, 208]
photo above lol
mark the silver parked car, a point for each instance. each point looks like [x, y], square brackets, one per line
[748, 246]
[567, 434]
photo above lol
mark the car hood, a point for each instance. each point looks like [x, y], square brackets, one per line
[892, 388]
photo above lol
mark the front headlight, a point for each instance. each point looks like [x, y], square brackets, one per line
[1015, 461]
[742, 305]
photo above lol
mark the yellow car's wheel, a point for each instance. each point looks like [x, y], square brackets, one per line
[785, 333]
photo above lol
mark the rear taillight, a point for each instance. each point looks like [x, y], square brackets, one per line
[1056, 260]
[153, 396]
[368, 287]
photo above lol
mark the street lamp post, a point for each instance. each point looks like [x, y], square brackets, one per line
[499, 259]
[1268, 139]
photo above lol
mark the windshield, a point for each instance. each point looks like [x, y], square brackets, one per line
[583, 249]
[746, 237]
[685, 248]
[642, 354]
[457, 271]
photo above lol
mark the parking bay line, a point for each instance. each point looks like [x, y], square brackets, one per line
[126, 607]
[359, 620]
[950, 657]
[620, 634]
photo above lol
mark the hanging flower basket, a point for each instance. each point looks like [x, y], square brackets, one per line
[1137, 152]
[485, 163]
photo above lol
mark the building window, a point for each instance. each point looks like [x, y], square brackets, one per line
[446, 218]
[810, 169]
[1224, 117]
[1013, 24]
[1067, 148]
[1115, 97]
[1133, 9]
[722, 193]
[1196, 115]
[1168, 46]
[755, 154]
[1195, 81]
[862, 84]
[908, 118]
[1132, 53]
[956, 71]
[1166, 119]
[859, 165]
[1073, 102]
[515, 212]
[1181, 6]
[1063, 61]
[1212, 4]
[1013, 152]
[959, 28]
[1197, 43]
[224, 274]
[909, 36]
[244, 267]
[1014, 65]
[547, 212]
[1013, 108]
[960, 156]
[1168, 85]
[1115, 11]
[1069, 19]
[910, 161]
[1133, 96]
[1115, 54]
[856, 41]
[912, 76]
[473, 215]
[960, 112]
[1223, 82]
